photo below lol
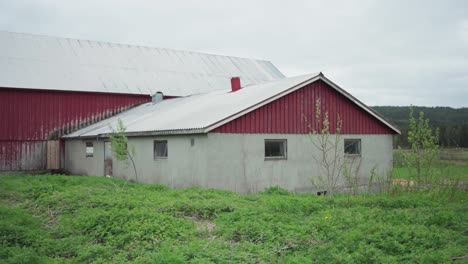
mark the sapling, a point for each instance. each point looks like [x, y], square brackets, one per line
[328, 149]
[424, 148]
[120, 147]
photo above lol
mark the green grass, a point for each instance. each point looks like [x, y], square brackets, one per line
[443, 170]
[452, 165]
[65, 219]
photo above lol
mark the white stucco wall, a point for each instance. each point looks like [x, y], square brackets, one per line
[77, 162]
[228, 161]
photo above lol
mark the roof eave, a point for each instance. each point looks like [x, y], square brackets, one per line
[167, 132]
[144, 133]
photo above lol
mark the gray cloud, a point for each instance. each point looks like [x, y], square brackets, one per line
[384, 52]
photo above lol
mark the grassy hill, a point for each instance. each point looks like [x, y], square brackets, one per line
[452, 122]
[63, 219]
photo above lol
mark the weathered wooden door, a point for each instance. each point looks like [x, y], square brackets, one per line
[53, 154]
[107, 158]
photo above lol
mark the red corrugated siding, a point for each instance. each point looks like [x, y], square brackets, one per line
[295, 114]
[43, 115]
[28, 118]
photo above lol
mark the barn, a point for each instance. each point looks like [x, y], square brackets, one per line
[50, 87]
[244, 138]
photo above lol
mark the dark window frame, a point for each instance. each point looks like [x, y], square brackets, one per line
[347, 150]
[155, 153]
[89, 145]
[284, 149]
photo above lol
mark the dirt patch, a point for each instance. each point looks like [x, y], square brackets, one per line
[203, 225]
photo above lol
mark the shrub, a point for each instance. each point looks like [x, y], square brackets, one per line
[275, 190]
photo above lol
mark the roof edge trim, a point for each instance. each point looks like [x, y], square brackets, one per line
[144, 133]
[361, 105]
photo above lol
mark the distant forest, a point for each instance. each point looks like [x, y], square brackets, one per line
[452, 123]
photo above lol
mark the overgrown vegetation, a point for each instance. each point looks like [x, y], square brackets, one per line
[71, 219]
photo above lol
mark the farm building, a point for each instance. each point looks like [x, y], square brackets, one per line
[243, 139]
[194, 119]
[53, 86]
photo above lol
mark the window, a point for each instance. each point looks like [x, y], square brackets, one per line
[89, 149]
[275, 149]
[160, 149]
[352, 147]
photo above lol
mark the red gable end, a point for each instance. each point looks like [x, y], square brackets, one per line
[295, 114]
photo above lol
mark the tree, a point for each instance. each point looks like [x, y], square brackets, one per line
[339, 170]
[120, 145]
[424, 147]
[333, 165]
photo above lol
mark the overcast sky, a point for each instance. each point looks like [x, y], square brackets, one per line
[383, 52]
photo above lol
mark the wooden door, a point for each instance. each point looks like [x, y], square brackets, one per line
[107, 158]
[53, 154]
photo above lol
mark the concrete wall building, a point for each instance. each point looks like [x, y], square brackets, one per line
[242, 139]
[53, 86]
[190, 122]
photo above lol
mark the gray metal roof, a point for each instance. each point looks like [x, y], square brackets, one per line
[43, 62]
[202, 113]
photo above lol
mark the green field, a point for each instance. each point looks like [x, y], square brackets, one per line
[448, 170]
[53, 218]
[452, 165]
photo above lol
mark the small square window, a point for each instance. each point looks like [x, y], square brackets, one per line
[352, 146]
[89, 149]
[275, 149]
[160, 149]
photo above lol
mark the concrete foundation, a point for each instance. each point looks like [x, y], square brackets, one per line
[234, 162]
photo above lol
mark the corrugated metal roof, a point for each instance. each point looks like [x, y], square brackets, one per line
[192, 114]
[203, 112]
[43, 62]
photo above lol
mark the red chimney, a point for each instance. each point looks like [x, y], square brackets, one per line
[235, 84]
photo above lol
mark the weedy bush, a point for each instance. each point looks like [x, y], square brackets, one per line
[64, 219]
[275, 190]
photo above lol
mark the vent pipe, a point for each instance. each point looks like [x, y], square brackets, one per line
[157, 97]
[235, 84]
